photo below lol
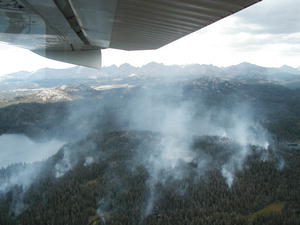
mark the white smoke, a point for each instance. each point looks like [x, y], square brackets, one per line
[88, 161]
[15, 150]
[21, 162]
[21, 175]
[65, 164]
[178, 122]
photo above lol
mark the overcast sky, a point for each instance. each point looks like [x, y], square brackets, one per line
[266, 34]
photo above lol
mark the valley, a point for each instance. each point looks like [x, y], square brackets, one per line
[155, 144]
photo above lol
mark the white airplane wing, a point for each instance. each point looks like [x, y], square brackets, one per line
[75, 31]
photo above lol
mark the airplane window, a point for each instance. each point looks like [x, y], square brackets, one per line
[149, 112]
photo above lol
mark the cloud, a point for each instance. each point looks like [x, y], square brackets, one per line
[266, 34]
[15, 59]
[272, 17]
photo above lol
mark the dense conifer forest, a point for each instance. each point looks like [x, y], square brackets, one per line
[116, 189]
[117, 174]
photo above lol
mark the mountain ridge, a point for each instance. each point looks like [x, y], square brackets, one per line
[155, 68]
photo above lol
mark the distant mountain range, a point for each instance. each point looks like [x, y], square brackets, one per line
[241, 71]
[54, 85]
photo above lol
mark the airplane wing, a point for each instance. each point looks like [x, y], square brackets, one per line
[75, 31]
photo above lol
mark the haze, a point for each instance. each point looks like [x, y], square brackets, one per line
[20, 149]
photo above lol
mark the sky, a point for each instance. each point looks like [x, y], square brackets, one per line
[266, 34]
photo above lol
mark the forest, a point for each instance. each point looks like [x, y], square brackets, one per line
[116, 188]
[113, 172]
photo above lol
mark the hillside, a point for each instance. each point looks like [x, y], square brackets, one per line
[209, 146]
[115, 181]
